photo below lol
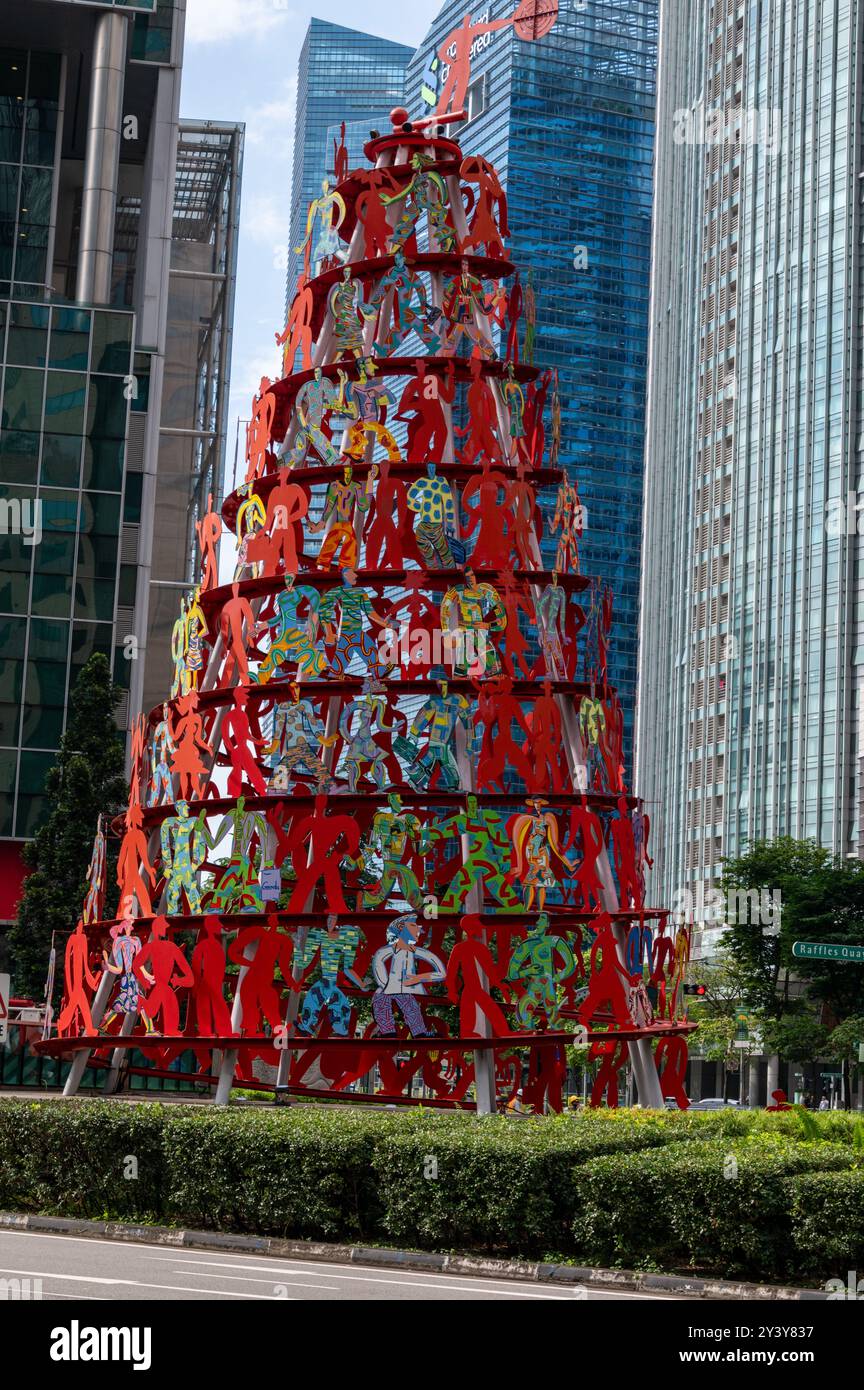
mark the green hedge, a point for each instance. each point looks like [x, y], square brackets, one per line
[632, 1188]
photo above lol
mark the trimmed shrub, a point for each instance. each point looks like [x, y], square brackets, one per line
[827, 1217]
[719, 1206]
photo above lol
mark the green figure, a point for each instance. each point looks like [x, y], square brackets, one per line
[484, 862]
[180, 838]
[392, 831]
[238, 889]
[533, 966]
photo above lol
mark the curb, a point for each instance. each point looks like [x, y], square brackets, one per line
[624, 1279]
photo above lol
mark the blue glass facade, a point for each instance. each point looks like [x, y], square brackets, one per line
[568, 121]
[356, 77]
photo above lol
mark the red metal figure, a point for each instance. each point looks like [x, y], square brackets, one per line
[190, 742]
[77, 976]
[484, 229]
[133, 864]
[258, 431]
[236, 737]
[259, 997]
[209, 531]
[208, 1010]
[385, 533]
[472, 959]
[314, 843]
[488, 517]
[236, 614]
[586, 825]
[608, 980]
[498, 709]
[629, 887]
[479, 433]
[546, 743]
[426, 435]
[287, 505]
[297, 334]
[157, 961]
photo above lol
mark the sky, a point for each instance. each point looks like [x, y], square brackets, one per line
[240, 64]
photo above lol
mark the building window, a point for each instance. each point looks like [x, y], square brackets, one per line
[475, 99]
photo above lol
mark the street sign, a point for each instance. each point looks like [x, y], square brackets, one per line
[4, 1007]
[820, 950]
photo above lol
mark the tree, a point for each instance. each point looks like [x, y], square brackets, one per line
[821, 899]
[85, 782]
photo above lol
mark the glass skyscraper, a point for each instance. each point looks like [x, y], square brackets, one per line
[113, 362]
[568, 122]
[356, 77]
[753, 607]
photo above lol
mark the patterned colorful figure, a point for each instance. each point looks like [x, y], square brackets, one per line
[354, 639]
[298, 736]
[476, 610]
[399, 979]
[182, 856]
[336, 948]
[532, 965]
[440, 715]
[535, 848]
[394, 834]
[344, 499]
[294, 640]
[431, 499]
[484, 856]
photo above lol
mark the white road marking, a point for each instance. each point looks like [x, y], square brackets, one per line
[124, 1283]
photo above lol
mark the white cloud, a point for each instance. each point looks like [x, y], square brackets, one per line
[214, 21]
[272, 123]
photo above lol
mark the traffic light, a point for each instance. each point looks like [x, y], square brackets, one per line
[699, 990]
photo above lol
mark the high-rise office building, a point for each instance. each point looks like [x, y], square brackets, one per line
[568, 122]
[341, 69]
[113, 328]
[752, 606]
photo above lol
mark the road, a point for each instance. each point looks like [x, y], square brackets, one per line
[72, 1267]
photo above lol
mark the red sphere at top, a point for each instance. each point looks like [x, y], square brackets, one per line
[398, 115]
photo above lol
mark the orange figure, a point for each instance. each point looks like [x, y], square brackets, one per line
[209, 531]
[287, 505]
[77, 974]
[259, 429]
[133, 864]
[297, 334]
[163, 957]
[472, 958]
[189, 738]
[236, 738]
[235, 613]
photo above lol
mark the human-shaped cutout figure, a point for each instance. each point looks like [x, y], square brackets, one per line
[472, 961]
[546, 743]
[371, 212]
[363, 754]
[125, 948]
[384, 535]
[209, 532]
[322, 245]
[295, 639]
[456, 51]
[410, 310]
[439, 717]
[431, 500]
[624, 845]
[262, 948]
[133, 864]
[163, 965]
[485, 856]
[608, 980]
[258, 430]
[425, 192]
[297, 333]
[208, 1013]
[354, 639]
[318, 844]
[535, 428]
[586, 828]
[313, 404]
[236, 625]
[237, 735]
[187, 763]
[77, 978]
[536, 847]
[336, 948]
[410, 644]
[162, 748]
[183, 848]
[485, 229]
[238, 888]
[569, 516]
[400, 981]
[345, 500]
[532, 966]
[97, 871]
[298, 738]
[399, 840]
[287, 506]
[475, 608]
[514, 400]
[465, 309]
[421, 410]
[499, 711]
[670, 1059]
[488, 517]
[479, 433]
[348, 314]
[551, 608]
[611, 1055]
[523, 517]
[516, 601]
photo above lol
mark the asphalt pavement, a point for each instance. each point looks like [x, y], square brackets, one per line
[80, 1268]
